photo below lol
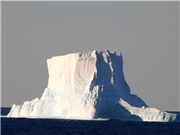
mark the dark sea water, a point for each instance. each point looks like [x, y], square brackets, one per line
[25, 126]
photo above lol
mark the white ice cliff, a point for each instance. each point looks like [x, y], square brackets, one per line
[89, 85]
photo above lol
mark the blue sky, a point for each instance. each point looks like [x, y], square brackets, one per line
[146, 33]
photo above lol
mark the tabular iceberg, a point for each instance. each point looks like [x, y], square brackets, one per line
[89, 85]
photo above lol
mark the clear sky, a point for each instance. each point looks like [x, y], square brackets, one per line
[146, 33]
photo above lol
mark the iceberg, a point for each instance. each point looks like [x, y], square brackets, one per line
[89, 85]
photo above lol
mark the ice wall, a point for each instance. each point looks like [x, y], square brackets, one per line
[88, 85]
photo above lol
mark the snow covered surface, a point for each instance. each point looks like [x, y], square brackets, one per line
[89, 85]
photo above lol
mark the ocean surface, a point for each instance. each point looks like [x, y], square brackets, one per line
[30, 126]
